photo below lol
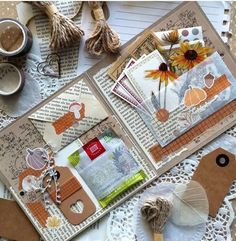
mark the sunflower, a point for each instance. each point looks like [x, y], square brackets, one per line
[172, 37]
[163, 73]
[187, 56]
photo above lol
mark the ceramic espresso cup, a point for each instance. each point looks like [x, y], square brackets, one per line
[11, 79]
[15, 38]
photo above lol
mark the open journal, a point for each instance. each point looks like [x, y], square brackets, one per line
[121, 124]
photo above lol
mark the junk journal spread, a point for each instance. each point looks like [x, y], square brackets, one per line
[120, 125]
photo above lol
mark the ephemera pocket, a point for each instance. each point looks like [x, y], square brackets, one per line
[107, 165]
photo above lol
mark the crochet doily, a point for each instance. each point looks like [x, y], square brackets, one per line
[47, 85]
[121, 223]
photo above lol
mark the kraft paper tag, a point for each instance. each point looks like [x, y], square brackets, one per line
[14, 224]
[71, 193]
[216, 173]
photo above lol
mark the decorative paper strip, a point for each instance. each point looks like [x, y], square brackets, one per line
[219, 85]
[69, 187]
[39, 212]
[64, 122]
[158, 152]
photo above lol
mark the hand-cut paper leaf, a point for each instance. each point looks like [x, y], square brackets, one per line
[155, 101]
[53, 222]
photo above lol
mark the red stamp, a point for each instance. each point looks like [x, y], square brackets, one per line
[94, 148]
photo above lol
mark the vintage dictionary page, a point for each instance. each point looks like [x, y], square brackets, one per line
[40, 28]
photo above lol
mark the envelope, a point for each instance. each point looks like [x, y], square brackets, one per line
[68, 116]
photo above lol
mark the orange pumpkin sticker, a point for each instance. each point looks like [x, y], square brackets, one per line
[194, 96]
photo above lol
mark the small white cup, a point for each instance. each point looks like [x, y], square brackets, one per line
[11, 79]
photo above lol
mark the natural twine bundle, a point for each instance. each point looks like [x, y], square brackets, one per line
[64, 32]
[103, 39]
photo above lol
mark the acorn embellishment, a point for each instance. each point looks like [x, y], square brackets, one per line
[209, 80]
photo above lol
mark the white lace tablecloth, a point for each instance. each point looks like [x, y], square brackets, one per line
[120, 225]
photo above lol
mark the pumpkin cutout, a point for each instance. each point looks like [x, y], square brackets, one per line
[36, 159]
[162, 115]
[194, 96]
[209, 80]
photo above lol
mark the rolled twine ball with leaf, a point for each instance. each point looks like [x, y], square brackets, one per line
[187, 206]
[157, 213]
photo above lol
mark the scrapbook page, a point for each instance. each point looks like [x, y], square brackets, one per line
[97, 141]
[71, 162]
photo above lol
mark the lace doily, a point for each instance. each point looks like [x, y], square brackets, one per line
[121, 223]
[47, 85]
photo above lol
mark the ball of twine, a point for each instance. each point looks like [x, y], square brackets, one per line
[156, 213]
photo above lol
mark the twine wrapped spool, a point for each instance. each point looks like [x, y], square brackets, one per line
[64, 31]
[156, 213]
[103, 38]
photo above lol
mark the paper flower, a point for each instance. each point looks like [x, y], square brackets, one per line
[53, 222]
[172, 37]
[187, 56]
[163, 73]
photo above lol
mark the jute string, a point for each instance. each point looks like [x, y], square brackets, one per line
[64, 32]
[103, 38]
[156, 213]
